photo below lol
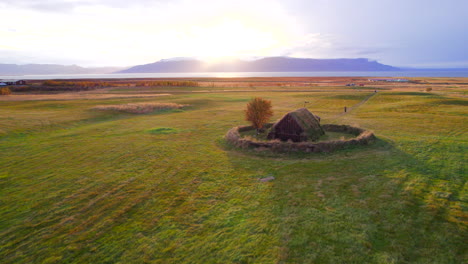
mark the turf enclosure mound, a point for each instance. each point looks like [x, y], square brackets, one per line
[363, 137]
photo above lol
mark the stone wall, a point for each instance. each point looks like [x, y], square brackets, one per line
[363, 137]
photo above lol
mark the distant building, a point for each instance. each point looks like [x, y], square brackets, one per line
[13, 82]
[389, 80]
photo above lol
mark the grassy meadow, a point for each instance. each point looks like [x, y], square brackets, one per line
[78, 185]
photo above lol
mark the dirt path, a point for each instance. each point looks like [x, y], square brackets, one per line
[348, 110]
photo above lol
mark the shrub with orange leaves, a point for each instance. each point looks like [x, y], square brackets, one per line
[258, 112]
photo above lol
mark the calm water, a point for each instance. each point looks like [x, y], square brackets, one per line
[246, 74]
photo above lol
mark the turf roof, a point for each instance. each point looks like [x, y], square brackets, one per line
[306, 120]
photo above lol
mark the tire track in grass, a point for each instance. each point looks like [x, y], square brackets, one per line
[101, 213]
[47, 225]
[101, 208]
[96, 216]
[448, 194]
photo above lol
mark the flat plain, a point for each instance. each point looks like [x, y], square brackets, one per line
[79, 185]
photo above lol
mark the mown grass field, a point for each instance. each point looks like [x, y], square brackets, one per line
[85, 186]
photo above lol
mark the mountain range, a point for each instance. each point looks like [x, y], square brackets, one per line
[39, 69]
[268, 64]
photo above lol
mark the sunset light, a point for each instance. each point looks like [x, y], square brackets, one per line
[233, 131]
[124, 33]
[230, 38]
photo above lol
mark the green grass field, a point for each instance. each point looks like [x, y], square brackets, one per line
[85, 186]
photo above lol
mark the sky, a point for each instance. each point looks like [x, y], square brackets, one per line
[405, 33]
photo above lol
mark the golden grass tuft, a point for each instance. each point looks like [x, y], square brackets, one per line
[5, 91]
[139, 108]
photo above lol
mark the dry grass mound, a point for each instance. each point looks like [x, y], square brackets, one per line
[5, 91]
[139, 108]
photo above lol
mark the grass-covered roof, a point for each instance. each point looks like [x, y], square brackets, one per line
[307, 121]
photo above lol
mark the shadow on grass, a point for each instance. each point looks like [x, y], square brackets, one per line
[162, 131]
[47, 126]
[92, 117]
[267, 153]
[453, 102]
[359, 205]
[195, 104]
[416, 94]
[349, 96]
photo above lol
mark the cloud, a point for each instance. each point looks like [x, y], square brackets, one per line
[316, 45]
[363, 50]
[127, 32]
[71, 5]
[138, 34]
[440, 64]
[41, 5]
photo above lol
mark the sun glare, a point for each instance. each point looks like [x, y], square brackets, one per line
[230, 39]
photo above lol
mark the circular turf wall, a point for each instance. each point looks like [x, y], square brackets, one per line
[363, 137]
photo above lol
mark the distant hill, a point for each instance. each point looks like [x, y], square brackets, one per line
[38, 69]
[269, 64]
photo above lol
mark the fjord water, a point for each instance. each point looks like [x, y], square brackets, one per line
[419, 73]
